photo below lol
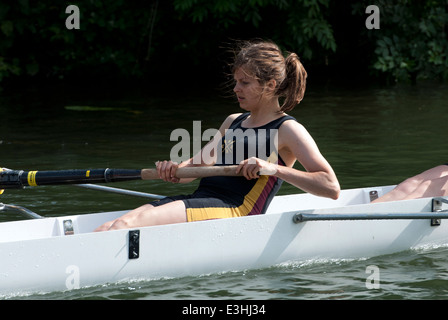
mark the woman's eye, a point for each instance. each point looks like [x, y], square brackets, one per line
[241, 82]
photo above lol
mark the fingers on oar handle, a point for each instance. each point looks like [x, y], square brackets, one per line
[194, 172]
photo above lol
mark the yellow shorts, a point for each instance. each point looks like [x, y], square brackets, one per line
[206, 208]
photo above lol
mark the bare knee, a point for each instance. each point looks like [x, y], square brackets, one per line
[133, 218]
[409, 185]
[141, 209]
[126, 221]
[429, 188]
[120, 223]
[148, 215]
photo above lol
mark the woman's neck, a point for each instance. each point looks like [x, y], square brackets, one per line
[264, 114]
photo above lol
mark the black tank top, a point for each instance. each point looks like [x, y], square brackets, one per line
[239, 143]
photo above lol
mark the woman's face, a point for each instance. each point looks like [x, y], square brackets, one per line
[247, 89]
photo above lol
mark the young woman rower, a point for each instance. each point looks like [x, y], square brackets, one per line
[262, 76]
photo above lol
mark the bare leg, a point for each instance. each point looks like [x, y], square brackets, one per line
[431, 188]
[147, 215]
[417, 186]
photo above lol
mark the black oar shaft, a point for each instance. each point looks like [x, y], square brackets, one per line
[14, 179]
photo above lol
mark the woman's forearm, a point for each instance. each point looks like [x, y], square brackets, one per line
[320, 183]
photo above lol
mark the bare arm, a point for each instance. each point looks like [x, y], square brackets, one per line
[295, 143]
[206, 156]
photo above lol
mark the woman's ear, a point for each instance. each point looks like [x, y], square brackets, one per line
[271, 85]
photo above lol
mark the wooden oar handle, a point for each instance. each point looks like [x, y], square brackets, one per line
[194, 172]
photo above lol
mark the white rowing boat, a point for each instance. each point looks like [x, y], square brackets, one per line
[62, 253]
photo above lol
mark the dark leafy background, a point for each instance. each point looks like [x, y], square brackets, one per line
[160, 42]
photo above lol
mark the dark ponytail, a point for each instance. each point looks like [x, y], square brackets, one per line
[294, 85]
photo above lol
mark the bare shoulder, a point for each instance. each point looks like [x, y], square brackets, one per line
[294, 137]
[295, 142]
[292, 128]
[228, 121]
[233, 116]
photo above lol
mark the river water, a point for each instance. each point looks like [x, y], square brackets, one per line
[370, 135]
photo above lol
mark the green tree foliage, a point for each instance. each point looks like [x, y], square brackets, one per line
[412, 43]
[154, 39]
[128, 38]
[300, 25]
[35, 41]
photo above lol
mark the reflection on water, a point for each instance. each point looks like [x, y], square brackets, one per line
[380, 136]
[414, 274]
[371, 136]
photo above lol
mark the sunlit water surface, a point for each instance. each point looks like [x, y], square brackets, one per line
[371, 136]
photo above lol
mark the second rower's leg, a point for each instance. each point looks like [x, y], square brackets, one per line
[430, 188]
[414, 185]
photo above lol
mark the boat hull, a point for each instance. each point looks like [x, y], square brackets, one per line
[37, 256]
